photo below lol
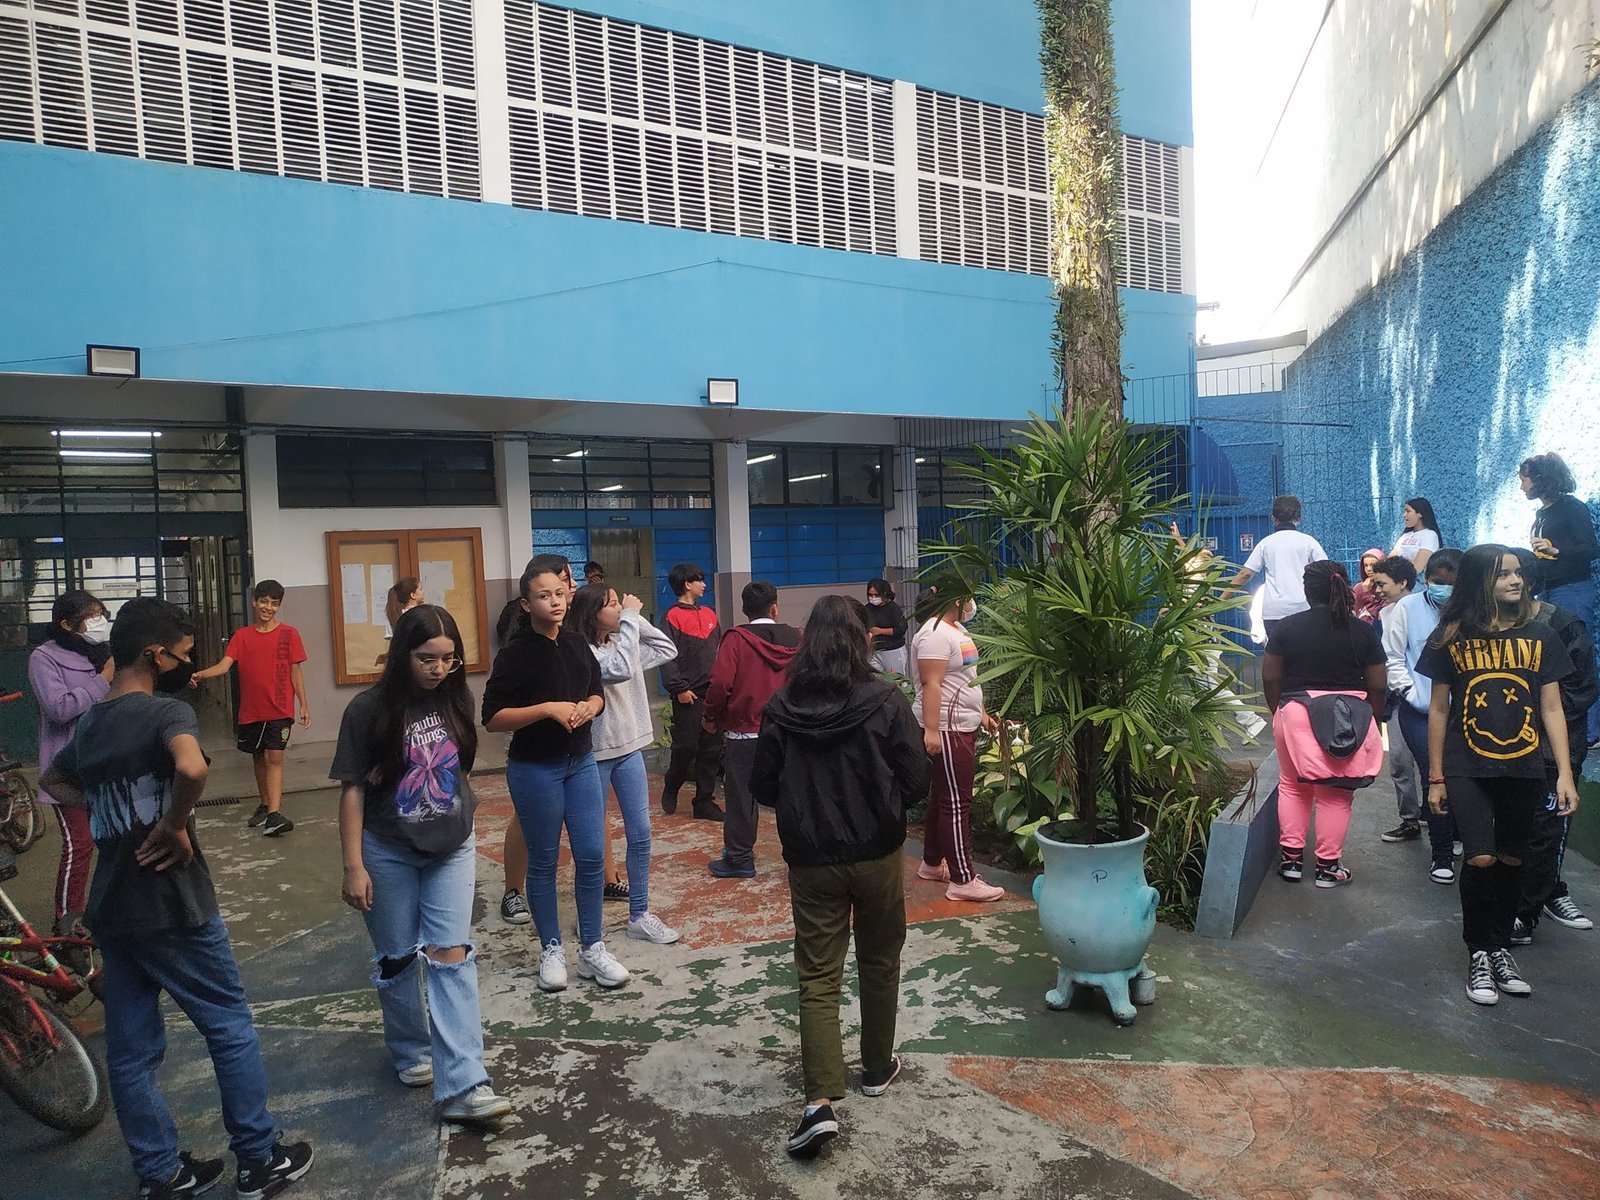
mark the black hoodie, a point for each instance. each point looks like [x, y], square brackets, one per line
[840, 773]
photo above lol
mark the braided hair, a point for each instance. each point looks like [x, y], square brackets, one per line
[1327, 584]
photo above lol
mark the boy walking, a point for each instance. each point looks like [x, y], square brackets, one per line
[750, 668]
[135, 763]
[1281, 558]
[269, 654]
[694, 630]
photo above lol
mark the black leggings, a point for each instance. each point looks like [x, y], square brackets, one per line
[1495, 816]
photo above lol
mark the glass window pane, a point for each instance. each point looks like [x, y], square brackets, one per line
[861, 475]
[766, 474]
[29, 470]
[810, 475]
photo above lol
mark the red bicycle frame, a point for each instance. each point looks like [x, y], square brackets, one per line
[21, 950]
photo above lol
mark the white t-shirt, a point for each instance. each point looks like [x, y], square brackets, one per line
[1281, 558]
[960, 697]
[1413, 542]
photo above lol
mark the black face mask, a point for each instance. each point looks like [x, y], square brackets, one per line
[176, 680]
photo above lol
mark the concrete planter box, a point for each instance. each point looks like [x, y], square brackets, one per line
[1243, 850]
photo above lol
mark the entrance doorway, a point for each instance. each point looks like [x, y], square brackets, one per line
[629, 556]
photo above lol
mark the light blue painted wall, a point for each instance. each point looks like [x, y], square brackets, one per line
[1483, 348]
[1154, 69]
[240, 278]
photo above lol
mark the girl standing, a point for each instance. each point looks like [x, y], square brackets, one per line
[950, 709]
[1324, 681]
[886, 622]
[404, 757]
[626, 646]
[544, 690]
[68, 674]
[1368, 603]
[1563, 537]
[1421, 536]
[405, 595]
[840, 758]
[1496, 699]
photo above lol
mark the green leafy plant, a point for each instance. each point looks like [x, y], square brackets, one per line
[1099, 634]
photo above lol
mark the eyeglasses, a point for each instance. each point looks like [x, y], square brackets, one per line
[432, 662]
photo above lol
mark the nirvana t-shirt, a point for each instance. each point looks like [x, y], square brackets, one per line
[1494, 679]
[266, 661]
[120, 758]
[960, 697]
[1319, 656]
[430, 809]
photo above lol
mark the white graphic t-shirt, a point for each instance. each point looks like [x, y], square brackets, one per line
[960, 697]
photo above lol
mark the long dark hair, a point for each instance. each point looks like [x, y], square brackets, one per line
[399, 595]
[832, 658]
[1327, 584]
[395, 692]
[1472, 607]
[1424, 509]
[583, 613]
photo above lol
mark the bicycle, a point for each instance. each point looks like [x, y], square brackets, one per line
[21, 819]
[44, 1065]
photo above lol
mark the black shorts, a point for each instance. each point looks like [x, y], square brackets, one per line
[1495, 815]
[265, 735]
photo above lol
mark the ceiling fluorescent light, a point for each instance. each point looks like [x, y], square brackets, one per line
[104, 454]
[106, 433]
[761, 458]
[807, 478]
[613, 487]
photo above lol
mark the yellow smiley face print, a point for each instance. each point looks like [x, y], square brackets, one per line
[1497, 716]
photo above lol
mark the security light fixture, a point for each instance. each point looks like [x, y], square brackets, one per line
[722, 392]
[120, 362]
[761, 458]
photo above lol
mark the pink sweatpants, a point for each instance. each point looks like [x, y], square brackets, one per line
[1296, 800]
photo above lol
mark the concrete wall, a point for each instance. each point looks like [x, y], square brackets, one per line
[1483, 348]
[1334, 152]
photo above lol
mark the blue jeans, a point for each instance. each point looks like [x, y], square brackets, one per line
[626, 777]
[547, 795]
[422, 900]
[1414, 732]
[1578, 598]
[196, 968]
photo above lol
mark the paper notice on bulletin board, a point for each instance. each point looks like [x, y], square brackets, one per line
[382, 583]
[438, 579]
[353, 586]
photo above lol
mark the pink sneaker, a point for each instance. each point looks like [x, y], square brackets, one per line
[975, 889]
[939, 874]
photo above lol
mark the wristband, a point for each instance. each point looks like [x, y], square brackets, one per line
[1435, 780]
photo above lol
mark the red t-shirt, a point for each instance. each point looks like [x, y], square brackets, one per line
[265, 692]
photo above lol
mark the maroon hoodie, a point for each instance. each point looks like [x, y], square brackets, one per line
[751, 665]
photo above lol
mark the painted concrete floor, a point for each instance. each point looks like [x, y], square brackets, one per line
[1328, 1052]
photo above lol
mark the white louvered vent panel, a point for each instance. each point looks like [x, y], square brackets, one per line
[338, 41]
[341, 130]
[463, 162]
[419, 41]
[204, 21]
[380, 107]
[62, 109]
[161, 107]
[301, 121]
[67, 8]
[17, 123]
[210, 118]
[255, 116]
[1152, 226]
[380, 45]
[156, 16]
[424, 147]
[296, 34]
[634, 123]
[457, 65]
[250, 25]
[113, 103]
[112, 12]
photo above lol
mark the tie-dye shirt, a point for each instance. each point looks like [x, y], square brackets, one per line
[430, 809]
[120, 757]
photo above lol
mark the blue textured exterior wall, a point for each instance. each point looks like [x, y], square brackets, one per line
[1483, 348]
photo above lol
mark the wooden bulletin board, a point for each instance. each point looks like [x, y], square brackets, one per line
[363, 566]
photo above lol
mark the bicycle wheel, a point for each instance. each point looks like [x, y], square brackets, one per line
[63, 1085]
[25, 824]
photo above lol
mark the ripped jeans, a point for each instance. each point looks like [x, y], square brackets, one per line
[421, 900]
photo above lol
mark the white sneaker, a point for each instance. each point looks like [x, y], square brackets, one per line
[480, 1104]
[651, 928]
[553, 968]
[597, 963]
[420, 1075]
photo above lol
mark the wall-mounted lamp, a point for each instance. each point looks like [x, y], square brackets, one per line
[722, 392]
[120, 362]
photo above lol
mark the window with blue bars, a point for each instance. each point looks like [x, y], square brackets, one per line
[816, 544]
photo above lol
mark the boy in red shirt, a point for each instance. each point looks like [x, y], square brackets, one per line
[269, 654]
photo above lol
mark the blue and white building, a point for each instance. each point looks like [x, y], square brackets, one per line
[395, 264]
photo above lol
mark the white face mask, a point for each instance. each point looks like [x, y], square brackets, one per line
[97, 631]
[970, 611]
[874, 600]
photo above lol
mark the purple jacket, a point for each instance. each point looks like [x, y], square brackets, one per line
[65, 685]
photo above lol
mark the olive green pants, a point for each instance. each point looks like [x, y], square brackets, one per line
[824, 900]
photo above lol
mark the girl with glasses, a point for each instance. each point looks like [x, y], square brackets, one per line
[405, 752]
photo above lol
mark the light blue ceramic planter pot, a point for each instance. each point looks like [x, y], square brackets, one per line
[1098, 914]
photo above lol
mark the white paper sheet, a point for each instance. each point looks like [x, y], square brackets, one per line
[353, 586]
[438, 578]
[382, 581]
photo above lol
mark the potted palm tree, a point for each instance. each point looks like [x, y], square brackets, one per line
[1101, 643]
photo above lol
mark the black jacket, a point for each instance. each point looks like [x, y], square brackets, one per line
[840, 773]
[1580, 689]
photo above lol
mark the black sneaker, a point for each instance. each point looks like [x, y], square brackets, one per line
[816, 1130]
[1331, 874]
[1563, 911]
[1292, 865]
[1521, 933]
[876, 1083]
[669, 802]
[284, 1165]
[1406, 831]
[196, 1175]
[260, 815]
[1506, 976]
[615, 889]
[277, 823]
[1443, 870]
[514, 909]
[1480, 979]
[707, 810]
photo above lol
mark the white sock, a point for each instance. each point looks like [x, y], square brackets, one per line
[811, 1108]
